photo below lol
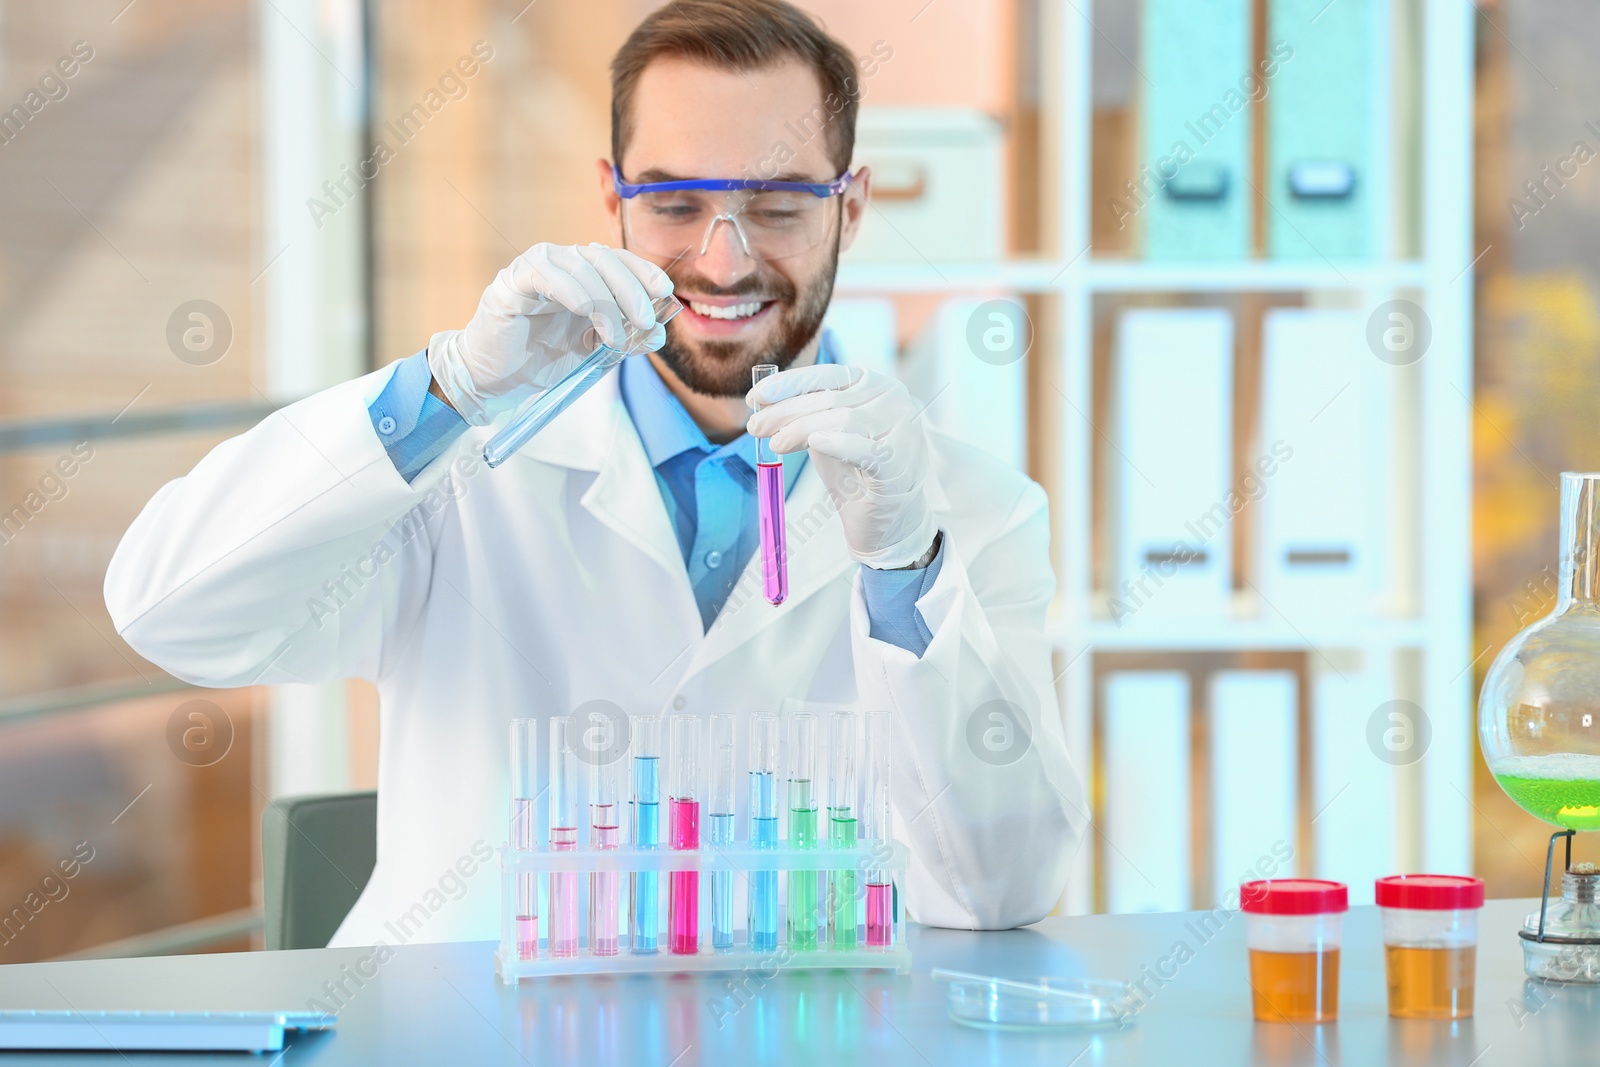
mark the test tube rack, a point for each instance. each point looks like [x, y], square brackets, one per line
[741, 861]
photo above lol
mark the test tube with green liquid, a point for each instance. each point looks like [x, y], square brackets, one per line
[802, 896]
[842, 741]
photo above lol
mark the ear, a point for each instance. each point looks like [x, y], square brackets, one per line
[855, 207]
[610, 200]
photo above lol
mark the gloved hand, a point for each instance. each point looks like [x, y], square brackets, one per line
[536, 311]
[865, 436]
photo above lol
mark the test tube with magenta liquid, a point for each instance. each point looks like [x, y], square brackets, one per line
[876, 826]
[683, 898]
[769, 499]
[802, 829]
[563, 837]
[719, 826]
[605, 819]
[643, 922]
[842, 741]
[524, 750]
[761, 921]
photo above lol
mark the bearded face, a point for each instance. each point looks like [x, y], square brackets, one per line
[767, 316]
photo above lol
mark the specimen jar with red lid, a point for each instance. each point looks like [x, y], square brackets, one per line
[1430, 943]
[1293, 928]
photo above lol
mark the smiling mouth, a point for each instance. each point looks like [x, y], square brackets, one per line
[729, 312]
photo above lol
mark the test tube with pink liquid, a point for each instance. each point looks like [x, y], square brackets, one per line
[524, 751]
[563, 837]
[769, 503]
[877, 828]
[683, 834]
[605, 826]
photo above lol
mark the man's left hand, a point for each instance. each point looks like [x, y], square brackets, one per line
[865, 435]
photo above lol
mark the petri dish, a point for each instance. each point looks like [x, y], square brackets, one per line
[1047, 1003]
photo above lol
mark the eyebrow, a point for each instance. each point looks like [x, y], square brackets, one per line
[656, 174]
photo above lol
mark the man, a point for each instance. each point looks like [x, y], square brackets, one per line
[609, 562]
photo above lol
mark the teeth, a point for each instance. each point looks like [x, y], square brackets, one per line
[733, 311]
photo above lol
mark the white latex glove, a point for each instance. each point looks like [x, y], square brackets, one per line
[865, 436]
[550, 303]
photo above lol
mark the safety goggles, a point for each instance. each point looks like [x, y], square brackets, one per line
[768, 219]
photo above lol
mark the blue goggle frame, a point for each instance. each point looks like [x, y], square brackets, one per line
[628, 190]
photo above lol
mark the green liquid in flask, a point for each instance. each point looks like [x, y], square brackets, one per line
[1562, 788]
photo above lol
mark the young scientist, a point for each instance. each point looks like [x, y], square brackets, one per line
[357, 534]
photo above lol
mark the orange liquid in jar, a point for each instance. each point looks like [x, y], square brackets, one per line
[1295, 987]
[1430, 983]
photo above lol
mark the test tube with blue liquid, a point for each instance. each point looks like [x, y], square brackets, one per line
[683, 898]
[842, 742]
[876, 827]
[643, 920]
[605, 821]
[563, 838]
[544, 406]
[802, 902]
[769, 506]
[719, 826]
[524, 749]
[762, 917]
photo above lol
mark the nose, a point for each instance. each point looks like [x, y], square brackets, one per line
[724, 258]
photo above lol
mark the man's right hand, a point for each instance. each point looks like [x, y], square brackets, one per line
[538, 310]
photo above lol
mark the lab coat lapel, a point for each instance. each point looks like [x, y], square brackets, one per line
[596, 434]
[817, 555]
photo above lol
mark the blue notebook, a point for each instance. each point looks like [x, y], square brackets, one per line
[152, 1031]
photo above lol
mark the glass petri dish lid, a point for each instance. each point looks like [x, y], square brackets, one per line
[995, 1003]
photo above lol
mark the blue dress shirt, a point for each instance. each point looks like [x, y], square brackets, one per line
[709, 491]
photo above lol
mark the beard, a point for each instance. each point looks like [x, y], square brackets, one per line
[722, 368]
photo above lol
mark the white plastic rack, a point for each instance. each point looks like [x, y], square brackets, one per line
[741, 862]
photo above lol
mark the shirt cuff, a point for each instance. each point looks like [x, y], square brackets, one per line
[413, 424]
[892, 597]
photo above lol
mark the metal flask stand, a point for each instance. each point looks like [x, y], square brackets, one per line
[1544, 900]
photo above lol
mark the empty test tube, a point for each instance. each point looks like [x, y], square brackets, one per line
[802, 829]
[524, 750]
[605, 819]
[842, 742]
[877, 828]
[643, 922]
[563, 837]
[719, 826]
[761, 920]
[683, 900]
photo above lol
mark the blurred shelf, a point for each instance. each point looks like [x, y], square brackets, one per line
[923, 276]
[1176, 634]
[1112, 276]
[27, 435]
[85, 697]
[1259, 274]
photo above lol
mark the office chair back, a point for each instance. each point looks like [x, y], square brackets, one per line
[317, 853]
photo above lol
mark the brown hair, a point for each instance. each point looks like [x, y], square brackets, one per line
[740, 35]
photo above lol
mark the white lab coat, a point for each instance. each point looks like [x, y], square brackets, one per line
[295, 553]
